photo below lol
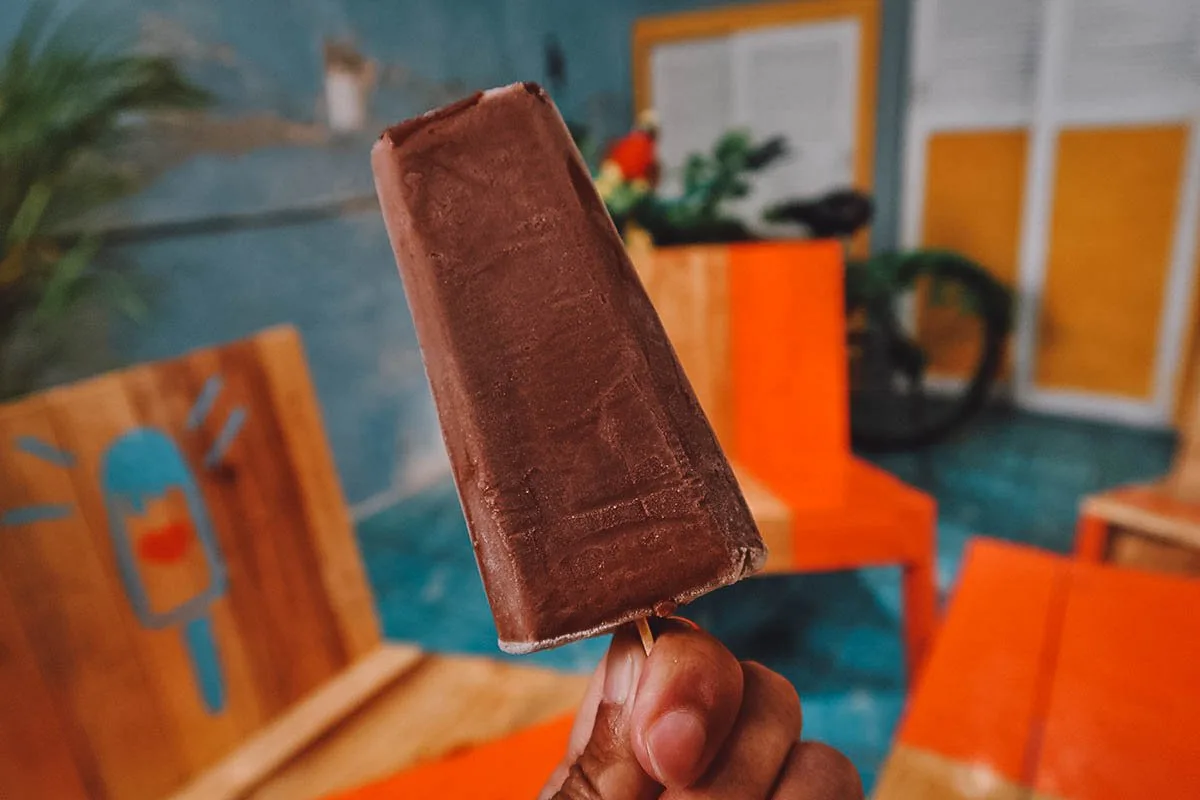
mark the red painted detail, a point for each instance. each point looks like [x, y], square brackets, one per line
[166, 544]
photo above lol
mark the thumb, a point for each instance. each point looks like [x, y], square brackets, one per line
[607, 768]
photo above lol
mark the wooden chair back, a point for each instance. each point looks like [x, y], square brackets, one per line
[1183, 482]
[689, 287]
[177, 567]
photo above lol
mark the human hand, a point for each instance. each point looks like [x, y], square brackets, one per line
[691, 722]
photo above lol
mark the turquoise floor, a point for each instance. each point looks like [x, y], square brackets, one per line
[836, 636]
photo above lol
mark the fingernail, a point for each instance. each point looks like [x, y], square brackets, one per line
[618, 681]
[687, 623]
[675, 744]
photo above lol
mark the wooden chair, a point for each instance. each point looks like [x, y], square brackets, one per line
[1153, 526]
[760, 331]
[177, 569]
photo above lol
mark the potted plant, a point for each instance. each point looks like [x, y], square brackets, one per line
[66, 109]
[888, 403]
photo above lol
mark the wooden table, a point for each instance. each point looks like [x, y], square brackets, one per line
[396, 708]
[1070, 679]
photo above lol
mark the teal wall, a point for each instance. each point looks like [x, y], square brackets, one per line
[264, 222]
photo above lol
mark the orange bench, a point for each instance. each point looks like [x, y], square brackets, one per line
[1071, 679]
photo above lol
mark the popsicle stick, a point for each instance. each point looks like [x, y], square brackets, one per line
[643, 628]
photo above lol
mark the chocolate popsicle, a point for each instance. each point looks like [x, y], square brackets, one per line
[593, 487]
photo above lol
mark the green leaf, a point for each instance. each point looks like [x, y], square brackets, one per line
[738, 188]
[694, 170]
[732, 146]
[66, 274]
[25, 224]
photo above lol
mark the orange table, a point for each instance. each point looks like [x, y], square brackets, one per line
[1069, 679]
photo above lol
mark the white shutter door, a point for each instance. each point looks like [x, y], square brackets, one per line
[1126, 59]
[692, 89]
[799, 82]
[977, 59]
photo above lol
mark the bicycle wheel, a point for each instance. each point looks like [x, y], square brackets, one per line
[909, 390]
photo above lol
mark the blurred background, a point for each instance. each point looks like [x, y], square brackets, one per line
[1015, 187]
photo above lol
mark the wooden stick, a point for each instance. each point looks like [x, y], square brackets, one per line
[643, 628]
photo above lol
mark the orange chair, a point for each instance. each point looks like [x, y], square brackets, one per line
[791, 427]
[1154, 526]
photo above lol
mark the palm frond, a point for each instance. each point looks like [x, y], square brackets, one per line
[70, 100]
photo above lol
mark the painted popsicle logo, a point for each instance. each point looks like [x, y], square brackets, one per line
[166, 550]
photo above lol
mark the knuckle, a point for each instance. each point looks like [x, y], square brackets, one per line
[775, 692]
[580, 784]
[816, 764]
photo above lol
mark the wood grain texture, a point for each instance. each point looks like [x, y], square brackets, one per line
[271, 517]
[289, 386]
[160, 398]
[445, 704]
[1130, 549]
[35, 740]
[1150, 510]
[1110, 239]
[237, 542]
[1187, 387]
[1184, 479]
[689, 287]
[288, 735]
[115, 677]
[73, 611]
[188, 730]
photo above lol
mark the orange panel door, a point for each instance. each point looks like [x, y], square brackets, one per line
[973, 195]
[1111, 226]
